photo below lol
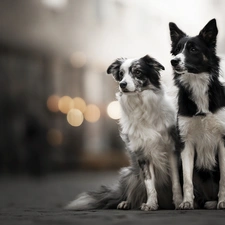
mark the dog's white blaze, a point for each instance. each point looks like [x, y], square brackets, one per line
[127, 78]
[181, 58]
[198, 84]
[130, 84]
[204, 134]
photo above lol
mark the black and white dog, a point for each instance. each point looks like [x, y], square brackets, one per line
[201, 115]
[148, 123]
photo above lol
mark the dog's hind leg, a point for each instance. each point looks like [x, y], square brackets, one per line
[221, 194]
[210, 205]
[149, 179]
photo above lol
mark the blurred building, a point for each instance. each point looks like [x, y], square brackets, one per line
[54, 89]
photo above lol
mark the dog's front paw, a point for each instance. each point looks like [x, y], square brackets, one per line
[186, 205]
[149, 207]
[123, 205]
[221, 205]
[177, 202]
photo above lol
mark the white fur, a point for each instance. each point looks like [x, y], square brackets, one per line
[127, 78]
[187, 157]
[81, 203]
[146, 118]
[145, 121]
[198, 84]
[221, 194]
[152, 202]
[204, 135]
[181, 59]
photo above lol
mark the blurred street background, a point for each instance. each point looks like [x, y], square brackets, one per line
[59, 131]
[57, 105]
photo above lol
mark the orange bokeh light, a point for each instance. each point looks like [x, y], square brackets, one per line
[65, 104]
[52, 103]
[79, 103]
[92, 113]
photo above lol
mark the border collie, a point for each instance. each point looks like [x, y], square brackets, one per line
[201, 116]
[147, 123]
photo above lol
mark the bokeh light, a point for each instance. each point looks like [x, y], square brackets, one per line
[75, 117]
[52, 103]
[54, 137]
[92, 113]
[80, 104]
[78, 59]
[65, 104]
[113, 110]
[55, 4]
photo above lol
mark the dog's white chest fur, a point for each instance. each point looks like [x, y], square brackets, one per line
[145, 121]
[198, 85]
[204, 133]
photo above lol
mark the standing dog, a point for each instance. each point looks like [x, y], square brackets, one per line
[201, 115]
[148, 128]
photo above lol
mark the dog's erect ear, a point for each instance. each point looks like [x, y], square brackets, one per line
[175, 33]
[152, 62]
[209, 32]
[114, 68]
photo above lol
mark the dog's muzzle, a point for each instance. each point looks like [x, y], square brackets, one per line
[123, 86]
[177, 65]
[175, 62]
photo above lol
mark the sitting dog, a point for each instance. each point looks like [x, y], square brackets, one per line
[201, 116]
[148, 129]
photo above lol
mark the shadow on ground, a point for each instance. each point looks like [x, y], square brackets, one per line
[24, 200]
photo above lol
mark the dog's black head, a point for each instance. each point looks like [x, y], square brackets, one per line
[136, 75]
[194, 54]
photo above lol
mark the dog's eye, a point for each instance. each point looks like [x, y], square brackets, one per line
[137, 73]
[193, 49]
[121, 75]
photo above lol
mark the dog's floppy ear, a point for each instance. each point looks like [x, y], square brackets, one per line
[152, 62]
[209, 32]
[175, 33]
[114, 68]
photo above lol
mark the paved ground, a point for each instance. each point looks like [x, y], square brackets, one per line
[26, 201]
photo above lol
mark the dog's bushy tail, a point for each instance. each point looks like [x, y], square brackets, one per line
[129, 186]
[104, 198]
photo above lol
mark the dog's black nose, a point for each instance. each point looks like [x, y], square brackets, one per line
[123, 84]
[175, 62]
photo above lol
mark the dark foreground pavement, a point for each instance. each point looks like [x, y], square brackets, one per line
[24, 201]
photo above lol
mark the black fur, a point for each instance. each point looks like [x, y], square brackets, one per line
[147, 67]
[114, 69]
[200, 56]
[130, 191]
